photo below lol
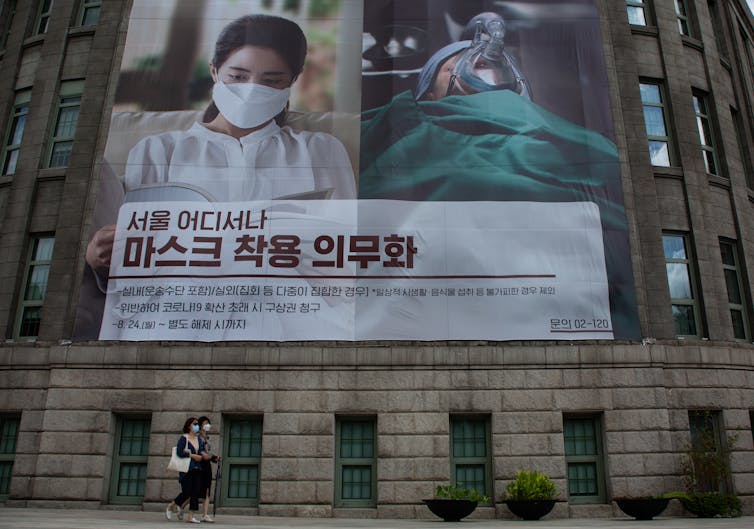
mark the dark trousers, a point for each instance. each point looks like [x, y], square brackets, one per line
[191, 485]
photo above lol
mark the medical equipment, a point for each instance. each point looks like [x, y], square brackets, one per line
[486, 66]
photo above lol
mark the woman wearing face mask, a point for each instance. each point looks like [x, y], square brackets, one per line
[191, 445]
[205, 426]
[242, 151]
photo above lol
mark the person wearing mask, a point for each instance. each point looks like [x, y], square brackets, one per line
[205, 426]
[190, 444]
[473, 122]
[242, 150]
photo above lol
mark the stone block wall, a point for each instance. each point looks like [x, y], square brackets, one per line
[67, 428]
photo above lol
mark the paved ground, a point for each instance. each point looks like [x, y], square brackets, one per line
[23, 518]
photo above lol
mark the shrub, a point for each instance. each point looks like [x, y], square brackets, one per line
[709, 504]
[531, 486]
[452, 492]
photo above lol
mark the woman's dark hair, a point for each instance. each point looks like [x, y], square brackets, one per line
[188, 423]
[265, 31]
[201, 420]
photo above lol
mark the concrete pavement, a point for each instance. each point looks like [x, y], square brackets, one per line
[26, 518]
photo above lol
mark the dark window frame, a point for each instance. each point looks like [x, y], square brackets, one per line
[597, 459]
[694, 301]
[252, 461]
[344, 463]
[32, 261]
[122, 461]
[464, 462]
[8, 453]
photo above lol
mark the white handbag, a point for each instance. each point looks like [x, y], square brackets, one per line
[178, 464]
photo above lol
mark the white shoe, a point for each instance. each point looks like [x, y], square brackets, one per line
[194, 520]
[207, 518]
[179, 512]
[168, 513]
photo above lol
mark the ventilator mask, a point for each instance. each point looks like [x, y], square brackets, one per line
[486, 66]
[249, 105]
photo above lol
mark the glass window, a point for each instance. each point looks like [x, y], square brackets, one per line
[681, 13]
[69, 105]
[743, 152]
[15, 132]
[678, 266]
[89, 14]
[243, 453]
[722, 47]
[584, 459]
[7, 11]
[130, 455]
[655, 123]
[35, 286]
[736, 298]
[704, 126]
[705, 437]
[355, 462]
[43, 17]
[637, 14]
[8, 438]
[470, 454]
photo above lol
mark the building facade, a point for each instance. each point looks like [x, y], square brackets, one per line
[370, 428]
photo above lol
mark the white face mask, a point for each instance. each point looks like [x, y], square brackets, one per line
[248, 105]
[207, 427]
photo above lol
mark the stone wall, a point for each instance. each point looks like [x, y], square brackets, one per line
[69, 397]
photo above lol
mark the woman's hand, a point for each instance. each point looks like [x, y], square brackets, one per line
[100, 248]
[196, 457]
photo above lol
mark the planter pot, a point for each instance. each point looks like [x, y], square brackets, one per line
[451, 510]
[642, 508]
[530, 509]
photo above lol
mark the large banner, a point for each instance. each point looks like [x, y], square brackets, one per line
[360, 170]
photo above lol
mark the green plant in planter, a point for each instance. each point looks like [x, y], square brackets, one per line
[705, 468]
[531, 485]
[453, 492]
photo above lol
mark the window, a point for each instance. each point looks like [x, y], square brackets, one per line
[7, 11]
[355, 462]
[129, 473]
[43, 17]
[741, 141]
[681, 281]
[89, 12]
[654, 121]
[703, 124]
[681, 13]
[8, 438]
[35, 286]
[65, 124]
[736, 299]
[709, 474]
[637, 12]
[16, 132]
[471, 460]
[242, 456]
[584, 460]
[722, 47]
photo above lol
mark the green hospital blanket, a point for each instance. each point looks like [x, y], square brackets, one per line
[499, 146]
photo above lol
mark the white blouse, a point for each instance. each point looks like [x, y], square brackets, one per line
[269, 163]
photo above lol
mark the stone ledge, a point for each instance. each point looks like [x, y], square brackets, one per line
[542, 355]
